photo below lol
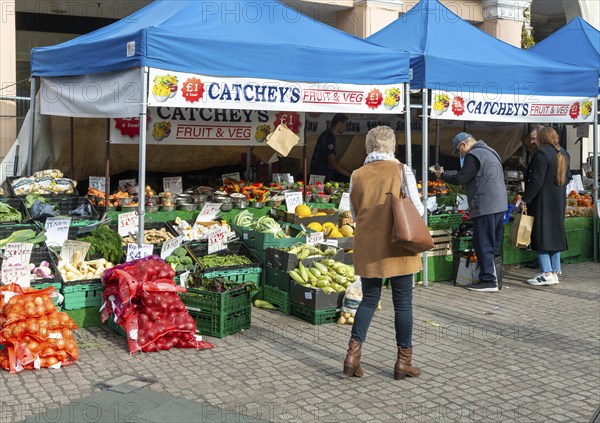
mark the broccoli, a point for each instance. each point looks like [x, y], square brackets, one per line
[179, 252]
[172, 259]
[186, 260]
[180, 268]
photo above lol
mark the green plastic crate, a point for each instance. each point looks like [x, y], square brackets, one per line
[82, 295]
[444, 221]
[201, 301]
[578, 223]
[315, 317]
[57, 286]
[251, 274]
[277, 278]
[278, 298]
[439, 268]
[87, 317]
[112, 325]
[581, 245]
[222, 325]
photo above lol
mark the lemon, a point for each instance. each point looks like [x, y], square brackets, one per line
[321, 214]
[347, 230]
[315, 226]
[302, 211]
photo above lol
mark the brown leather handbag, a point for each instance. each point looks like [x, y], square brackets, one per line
[409, 230]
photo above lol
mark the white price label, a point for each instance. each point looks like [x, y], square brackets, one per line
[98, 182]
[57, 230]
[290, 179]
[316, 178]
[233, 176]
[461, 202]
[432, 203]
[315, 238]
[308, 295]
[279, 177]
[135, 252]
[344, 202]
[332, 242]
[18, 274]
[208, 212]
[217, 238]
[292, 200]
[173, 185]
[169, 246]
[70, 248]
[124, 182]
[128, 223]
[17, 253]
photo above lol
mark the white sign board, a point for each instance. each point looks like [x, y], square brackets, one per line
[316, 178]
[134, 252]
[98, 182]
[344, 202]
[173, 184]
[169, 246]
[233, 176]
[292, 200]
[57, 230]
[314, 238]
[16, 253]
[217, 238]
[432, 203]
[208, 212]
[124, 182]
[461, 202]
[70, 247]
[128, 223]
[18, 274]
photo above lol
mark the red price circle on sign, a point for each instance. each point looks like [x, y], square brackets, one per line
[192, 90]
[374, 98]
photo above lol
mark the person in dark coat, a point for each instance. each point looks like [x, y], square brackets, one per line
[545, 198]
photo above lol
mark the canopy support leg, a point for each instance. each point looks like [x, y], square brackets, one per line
[425, 145]
[29, 170]
[107, 173]
[72, 167]
[408, 127]
[304, 169]
[595, 150]
[142, 153]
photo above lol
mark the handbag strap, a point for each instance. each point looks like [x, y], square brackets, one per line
[402, 180]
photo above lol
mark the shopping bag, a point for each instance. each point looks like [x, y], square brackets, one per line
[520, 232]
[282, 139]
[468, 272]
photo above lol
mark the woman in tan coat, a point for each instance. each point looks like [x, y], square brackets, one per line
[375, 257]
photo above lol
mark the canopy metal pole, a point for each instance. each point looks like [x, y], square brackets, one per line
[72, 171]
[408, 127]
[29, 170]
[107, 173]
[425, 145]
[437, 140]
[595, 150]
[304, 168]
[142, 158]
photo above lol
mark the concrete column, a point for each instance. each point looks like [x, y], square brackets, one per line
[504, 19]
[8, 76]
[368, 16]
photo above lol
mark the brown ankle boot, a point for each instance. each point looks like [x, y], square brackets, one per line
[404, 366]
[352, 362]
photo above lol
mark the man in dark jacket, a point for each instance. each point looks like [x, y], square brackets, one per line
[483, 178]
[324, 159]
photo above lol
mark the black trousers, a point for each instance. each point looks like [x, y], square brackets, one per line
[487, 243]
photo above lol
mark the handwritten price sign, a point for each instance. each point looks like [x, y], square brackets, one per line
[17, 253]
[315, 238]
[128, 223]
[292, 200]
[57, 230]
[124, 182]
[134, 252]
[344, 202]
[16, 274]
[217, 238]
[98, 182]
[208, 212]
[316, 178]
[70, 248]
[169, 246]
[233, 176]
[174, 185]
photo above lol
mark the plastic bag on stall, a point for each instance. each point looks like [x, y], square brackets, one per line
[85, 210]
[353, 297]
[41, 210]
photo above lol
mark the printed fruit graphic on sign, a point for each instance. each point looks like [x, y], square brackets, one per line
[586, 109]
[261, 132]
[161, 130]
[392, 98]
[165, 87]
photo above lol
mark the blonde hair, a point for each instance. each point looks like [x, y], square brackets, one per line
[548, 136]
[382, 140]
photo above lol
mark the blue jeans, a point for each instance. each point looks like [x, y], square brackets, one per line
[402, 287]
[549, 261]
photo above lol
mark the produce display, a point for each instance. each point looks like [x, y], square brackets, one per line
[253, 192]
[151, 236]
[180, 261]
[9, 214]
[105, 242]
[24, 236]
[328, 275]
[304, 251]
[197, 232]
[79, 269]
[217, 284]
[142, 298]
[44, 182]
[214, 260]
[33, 332]
[41, 272]
[575, 199]
[98, 198]
[263, 224]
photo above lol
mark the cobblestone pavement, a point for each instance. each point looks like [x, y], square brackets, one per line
[525, 354]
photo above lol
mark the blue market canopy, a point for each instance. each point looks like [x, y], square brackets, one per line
[241, 38]
[577, 43]
[448, 53]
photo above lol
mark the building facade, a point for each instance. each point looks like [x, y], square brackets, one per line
[25, 24]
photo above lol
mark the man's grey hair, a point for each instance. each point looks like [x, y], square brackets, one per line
[381, 140]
